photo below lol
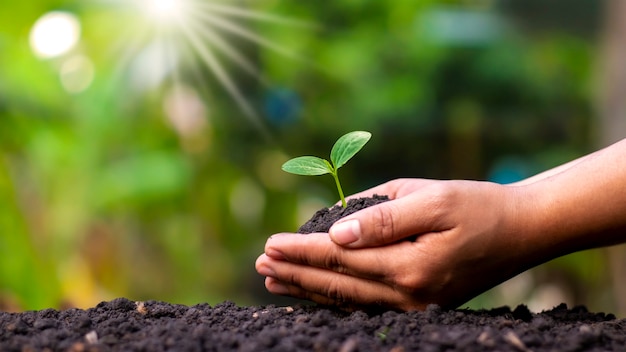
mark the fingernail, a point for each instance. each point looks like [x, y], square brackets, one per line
[345, 232]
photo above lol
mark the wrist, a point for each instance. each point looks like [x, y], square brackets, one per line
[553, 220]
[528, 224]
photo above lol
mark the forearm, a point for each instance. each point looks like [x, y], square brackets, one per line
[551, 172]
[582, 206]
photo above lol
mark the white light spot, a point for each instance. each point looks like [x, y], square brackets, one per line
[77, 74]
[54, 34]
[164, 6]
[163, 9]
[548, 296]
[152, 66]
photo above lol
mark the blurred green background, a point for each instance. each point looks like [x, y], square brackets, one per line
[141, 141]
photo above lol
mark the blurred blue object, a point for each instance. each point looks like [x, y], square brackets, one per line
[508, 170]
[458, 26]
[282, 106]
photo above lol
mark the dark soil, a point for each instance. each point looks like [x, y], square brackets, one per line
[124, 325]
[323, 219]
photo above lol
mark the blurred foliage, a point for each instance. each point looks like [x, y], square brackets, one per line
[153, 183]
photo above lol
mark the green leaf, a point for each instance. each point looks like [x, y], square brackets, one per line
[347, 146]
[308, 166]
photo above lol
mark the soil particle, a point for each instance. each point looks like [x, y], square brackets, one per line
[120, 325]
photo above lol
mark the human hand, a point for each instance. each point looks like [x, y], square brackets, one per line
[437, 242]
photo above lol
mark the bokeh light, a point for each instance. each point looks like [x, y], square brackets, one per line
[185, 111]
[77, 73]
[188, 115]
[54, 34]
[247, 201]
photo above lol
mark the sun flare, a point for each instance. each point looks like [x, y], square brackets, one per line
[164, 10]
[201, 35]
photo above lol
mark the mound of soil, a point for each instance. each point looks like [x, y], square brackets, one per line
[324, 218]
[156, 326]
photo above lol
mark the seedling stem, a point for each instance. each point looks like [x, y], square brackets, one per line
[344, 149]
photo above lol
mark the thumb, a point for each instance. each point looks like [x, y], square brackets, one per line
[380, 224]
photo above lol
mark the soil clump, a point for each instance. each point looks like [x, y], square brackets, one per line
[324, 218]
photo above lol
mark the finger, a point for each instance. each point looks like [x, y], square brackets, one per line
[392, 221]
[277, 287]
[317, 250]
[331, 288]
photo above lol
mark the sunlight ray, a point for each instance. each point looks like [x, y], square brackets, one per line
[233, 28]
[222, 76]
[182, 40]
[230, 51]
[175, 54]
[255, 15]
[131, 42]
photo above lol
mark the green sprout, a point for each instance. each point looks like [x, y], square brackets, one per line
[382, 335]
[343, 150]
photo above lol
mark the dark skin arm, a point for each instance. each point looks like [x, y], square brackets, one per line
[470, 236]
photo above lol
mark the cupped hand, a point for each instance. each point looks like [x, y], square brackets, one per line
[437, 242]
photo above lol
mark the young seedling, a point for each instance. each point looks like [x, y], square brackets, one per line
[344, 149]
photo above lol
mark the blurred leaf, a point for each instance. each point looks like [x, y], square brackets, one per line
[23, 272]
[142, 178]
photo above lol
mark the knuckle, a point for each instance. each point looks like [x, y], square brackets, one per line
[336, 292]
[408, 282]
[292, 278]
[384, 220]
[440, 192]
[442, 197]
[334, 261]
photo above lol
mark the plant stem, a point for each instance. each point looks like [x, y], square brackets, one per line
[343, 199]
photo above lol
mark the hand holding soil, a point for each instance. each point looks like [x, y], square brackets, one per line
[430, 244]
[446, 241]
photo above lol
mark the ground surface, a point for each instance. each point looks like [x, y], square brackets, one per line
[124, 325]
